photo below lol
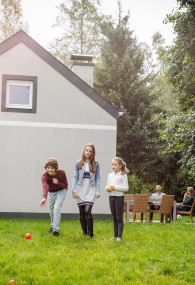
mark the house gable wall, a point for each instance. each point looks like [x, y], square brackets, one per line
[55, 94]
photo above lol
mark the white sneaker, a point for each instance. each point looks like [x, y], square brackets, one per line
[118, 239]
[112, 238]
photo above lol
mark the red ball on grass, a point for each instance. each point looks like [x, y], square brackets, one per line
[27, 236]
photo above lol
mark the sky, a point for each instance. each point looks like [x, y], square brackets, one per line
[146, 18]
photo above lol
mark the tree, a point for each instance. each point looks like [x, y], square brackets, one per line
[166, 99]
[80, 24]
[157, 43]
[122, 79]
[10, 18]
[180, 59]
[168, 167]
[180, 71]
[179, 133]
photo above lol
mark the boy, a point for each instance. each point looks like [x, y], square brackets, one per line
[55, 186]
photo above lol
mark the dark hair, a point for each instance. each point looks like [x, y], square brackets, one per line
[92, 158]
[51, 162]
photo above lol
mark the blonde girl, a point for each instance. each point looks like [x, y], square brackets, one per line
[117, 184]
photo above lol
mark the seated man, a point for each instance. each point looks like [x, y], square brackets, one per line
[188, 199]
[156, 196]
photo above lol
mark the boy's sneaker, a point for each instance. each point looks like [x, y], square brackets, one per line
[49, 231]
[112, 238]
[55, 234]
[118, 239]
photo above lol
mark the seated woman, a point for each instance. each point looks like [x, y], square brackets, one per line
[188, 199]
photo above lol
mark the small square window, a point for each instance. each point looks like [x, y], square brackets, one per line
[19, 93]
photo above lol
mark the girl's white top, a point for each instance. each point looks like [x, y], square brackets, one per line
[119, 181]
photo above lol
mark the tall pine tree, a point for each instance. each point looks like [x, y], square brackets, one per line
[121, 78]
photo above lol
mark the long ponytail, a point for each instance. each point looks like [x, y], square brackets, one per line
[121, 162]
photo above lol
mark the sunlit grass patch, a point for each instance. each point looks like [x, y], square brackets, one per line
[148, 253]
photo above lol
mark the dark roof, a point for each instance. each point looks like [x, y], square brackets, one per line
[82, 57]
[21, 36]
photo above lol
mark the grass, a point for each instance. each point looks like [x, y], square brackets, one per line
[148, 254]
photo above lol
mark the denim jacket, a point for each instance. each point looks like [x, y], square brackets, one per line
[94, 177]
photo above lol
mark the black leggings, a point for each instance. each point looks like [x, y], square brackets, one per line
[85, 211]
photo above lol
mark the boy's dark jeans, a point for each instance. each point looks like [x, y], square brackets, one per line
[116, 207]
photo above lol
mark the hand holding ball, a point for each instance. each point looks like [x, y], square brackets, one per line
[27, 236]
[76, 195]
[110, 188]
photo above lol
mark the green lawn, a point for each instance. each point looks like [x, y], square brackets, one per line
[148, 254]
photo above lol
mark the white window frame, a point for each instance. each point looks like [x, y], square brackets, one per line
[19, 83]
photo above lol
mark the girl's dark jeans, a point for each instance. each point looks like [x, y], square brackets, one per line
[116, 207]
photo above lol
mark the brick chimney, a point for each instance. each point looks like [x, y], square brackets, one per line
[83, 67]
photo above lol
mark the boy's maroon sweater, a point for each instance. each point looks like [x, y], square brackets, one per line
[48, 185]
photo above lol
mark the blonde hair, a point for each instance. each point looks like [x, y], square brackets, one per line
[121, 162]
[92, 158]
[191, 189]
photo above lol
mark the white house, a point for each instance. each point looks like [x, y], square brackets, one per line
[47, 111]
